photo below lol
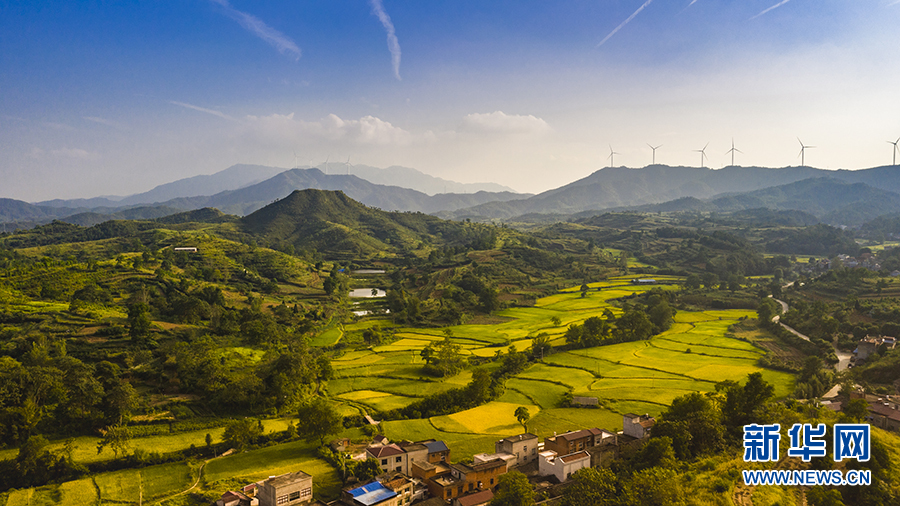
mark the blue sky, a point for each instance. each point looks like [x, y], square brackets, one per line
[116, 97]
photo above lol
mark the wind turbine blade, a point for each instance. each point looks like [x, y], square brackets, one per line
[798, 140]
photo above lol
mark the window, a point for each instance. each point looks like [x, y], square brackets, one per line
[533, 450]
[398, 459]
[398, 469]
[281, 499]
[449, 493]
[492, 482]
[294, 496]
[384, 462]
[306, 492]
[525, 449]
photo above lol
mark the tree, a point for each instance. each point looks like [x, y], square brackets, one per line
[139, 324]
[444, 358]
[117, 437]
[522, 415]
[513, 490]
[540, 346]
[742, 401]
[240, 433]
[592, 486]
[556, 321]
[766, 310]
[692, 282]
[318, 419]
[633, 326]
[693, 423]
[857, 409]
[654, 487]
[366, 470]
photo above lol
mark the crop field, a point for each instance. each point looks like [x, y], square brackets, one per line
[640, 377]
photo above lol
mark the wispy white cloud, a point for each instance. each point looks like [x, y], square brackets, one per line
[368, 130]
[692, 3]
[393, 43]
[256, 26]
[203, 109]
[104, 121]
[499, 121]
[638, 11]
[779, 4]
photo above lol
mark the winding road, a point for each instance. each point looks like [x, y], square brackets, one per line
[843, 356]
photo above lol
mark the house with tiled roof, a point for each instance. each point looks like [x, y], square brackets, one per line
[562, 467]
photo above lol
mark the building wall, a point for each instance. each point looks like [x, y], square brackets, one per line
[525, 451]
[293, 493]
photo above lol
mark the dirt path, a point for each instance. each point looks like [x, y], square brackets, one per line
[192, 487]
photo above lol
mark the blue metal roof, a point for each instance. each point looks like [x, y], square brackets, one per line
[372, 493]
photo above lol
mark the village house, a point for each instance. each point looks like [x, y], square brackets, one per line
[869, 345]
[235, 498]
[509, 458]
[288, 489]
[437, 451]
[637, 426]
[551, 464]
[523, 446]
[575, 441]
[464, 478]
[884, 415]
[390, 458]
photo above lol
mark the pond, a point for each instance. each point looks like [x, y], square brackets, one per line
[366, 293]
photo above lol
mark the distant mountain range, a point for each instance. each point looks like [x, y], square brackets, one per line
[623, 188]
[841, 197]
[250, 187]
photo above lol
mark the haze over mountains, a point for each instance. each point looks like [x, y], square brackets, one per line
[841, 197]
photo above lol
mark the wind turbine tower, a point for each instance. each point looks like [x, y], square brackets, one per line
[732, 151]
[654, 152]
[803, 149]
[348, 165]
[702, 154]
[894, 152]
[612, 155]
[326, 164]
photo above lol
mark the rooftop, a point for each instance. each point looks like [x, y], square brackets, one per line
[572, 457]
[521, 437]
[371, 493]
[436, 446]
[287, 478]
[384, 451]
[476, 498]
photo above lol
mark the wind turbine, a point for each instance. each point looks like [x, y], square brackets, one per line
[702, 154]
[803, 149]
[654, 152]
[348, 165]
[732, 150]
[612, 156]
[295, 160]
[326, 163]
[894, 152]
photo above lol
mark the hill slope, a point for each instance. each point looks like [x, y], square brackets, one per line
[332, 221]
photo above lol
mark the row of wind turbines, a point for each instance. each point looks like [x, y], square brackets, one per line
[733, 150]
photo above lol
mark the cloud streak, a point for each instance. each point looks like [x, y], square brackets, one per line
[645, 4]
[393, 43]
[257, 27]
[779, 4]
[202, 109]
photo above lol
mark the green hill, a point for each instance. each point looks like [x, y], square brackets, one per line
[330, 221]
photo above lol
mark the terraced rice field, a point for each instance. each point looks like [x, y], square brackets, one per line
[641, 377]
